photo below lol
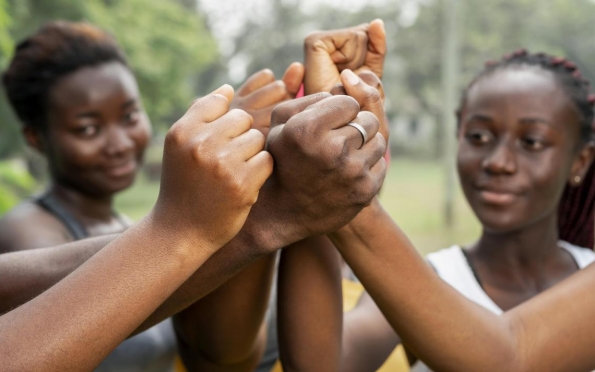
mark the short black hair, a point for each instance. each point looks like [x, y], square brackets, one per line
[55, 50]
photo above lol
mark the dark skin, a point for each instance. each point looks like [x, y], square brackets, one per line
[291, 205]
[519, 146]
[203, 329]
[96, 133]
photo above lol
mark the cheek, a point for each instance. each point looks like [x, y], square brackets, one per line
[468, 162]
[75, 154]
[548, 175]
[141, 135]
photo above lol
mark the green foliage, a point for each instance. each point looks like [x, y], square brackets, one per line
[15, 184]
[167, 43]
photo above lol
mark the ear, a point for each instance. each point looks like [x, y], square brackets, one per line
[581, 164]
[34, 138]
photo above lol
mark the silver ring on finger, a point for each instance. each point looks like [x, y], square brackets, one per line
[362, 131]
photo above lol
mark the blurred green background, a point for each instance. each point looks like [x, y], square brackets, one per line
[180, 49]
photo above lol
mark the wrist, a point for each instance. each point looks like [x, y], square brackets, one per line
[270, 225]
[181, 240]
[356, 227]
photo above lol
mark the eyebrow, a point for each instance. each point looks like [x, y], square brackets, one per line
[129, 103]
[88, 114]
[532, 120]
[480, 117]
[94, 114]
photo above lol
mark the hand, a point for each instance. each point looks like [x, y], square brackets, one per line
[367, 90]
[261, 93]
[324, 175]
[213, 169]
[327, 53]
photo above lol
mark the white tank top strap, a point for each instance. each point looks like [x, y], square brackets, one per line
[583, 256]
[452, 266]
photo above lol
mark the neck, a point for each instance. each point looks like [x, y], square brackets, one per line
[81, 205]
[529, 247]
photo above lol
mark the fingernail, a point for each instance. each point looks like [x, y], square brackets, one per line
[351, 78]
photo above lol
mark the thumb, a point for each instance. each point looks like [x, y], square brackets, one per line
[225, 90]
[368, 97]
[293, 77]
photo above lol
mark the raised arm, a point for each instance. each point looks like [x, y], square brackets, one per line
[449, 332]
[212, 333]
[204, 200]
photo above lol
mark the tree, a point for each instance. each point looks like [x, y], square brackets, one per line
[167, 44]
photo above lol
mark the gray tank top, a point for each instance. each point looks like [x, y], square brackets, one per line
[153, 350]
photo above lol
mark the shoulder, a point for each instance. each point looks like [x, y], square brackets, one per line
[583, 256]
[446, 257]
[29, 226]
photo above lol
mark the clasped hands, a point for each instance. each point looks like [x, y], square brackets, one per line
[316, 174]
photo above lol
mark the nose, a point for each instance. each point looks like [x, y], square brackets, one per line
[501, 160]
[118, 141]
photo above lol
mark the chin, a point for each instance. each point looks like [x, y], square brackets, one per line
[500, 222]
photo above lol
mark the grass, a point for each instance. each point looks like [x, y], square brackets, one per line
[412, 194]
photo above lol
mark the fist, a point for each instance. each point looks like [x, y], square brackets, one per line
[261, 93]
[325, 172]
[213, 168]
[327, 53]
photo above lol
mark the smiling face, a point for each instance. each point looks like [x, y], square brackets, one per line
[96, 130]
[519, 145]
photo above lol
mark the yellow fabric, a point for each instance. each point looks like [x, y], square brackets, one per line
[397, 361]
[179, 365]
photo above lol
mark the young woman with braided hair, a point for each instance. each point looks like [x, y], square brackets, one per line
[525, 164]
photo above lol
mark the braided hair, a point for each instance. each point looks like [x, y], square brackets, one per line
[576, 210]
[55, 50]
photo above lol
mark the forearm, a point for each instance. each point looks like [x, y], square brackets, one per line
[310, 307]
[437, 324]
[236, 308]
[26, 274]
[77, 322]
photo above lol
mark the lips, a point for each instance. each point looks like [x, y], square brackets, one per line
[121, 169]
[496, 196]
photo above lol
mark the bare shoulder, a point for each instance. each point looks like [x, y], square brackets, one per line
[29, 226]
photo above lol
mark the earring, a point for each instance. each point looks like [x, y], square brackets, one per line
[577, 179]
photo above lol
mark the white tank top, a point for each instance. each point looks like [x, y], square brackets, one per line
[452, 266]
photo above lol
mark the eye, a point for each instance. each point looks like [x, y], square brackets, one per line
[532, 144]
[131, 117]
[87, 131]
[479, 137]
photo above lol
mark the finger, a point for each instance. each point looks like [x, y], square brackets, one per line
[354, 138]
[211, 106]
[248, 144]
[270, 94]
[351, 49]
[338, 90]
[293, 78]
[373, 150]
[368, 97]
[373, 80]
[330, 113]
[256, 81]
[286, 110]
[231, 125]
[260, 167]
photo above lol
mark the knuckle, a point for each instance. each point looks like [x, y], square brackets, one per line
[312, 37]
[176, 135]
[372, 94]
